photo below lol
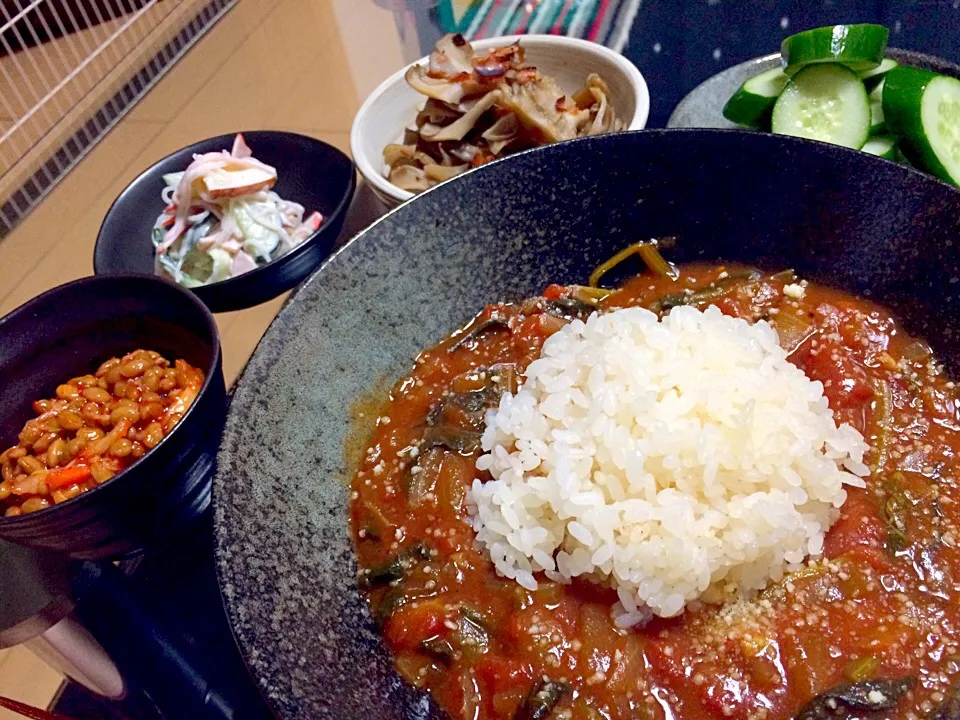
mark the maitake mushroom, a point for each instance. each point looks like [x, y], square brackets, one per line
[481, 107]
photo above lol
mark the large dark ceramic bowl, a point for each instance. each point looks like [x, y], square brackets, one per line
[504, 232]
[70, 331]
[310, 172]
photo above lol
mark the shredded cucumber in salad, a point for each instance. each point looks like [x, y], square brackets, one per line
[222, 219]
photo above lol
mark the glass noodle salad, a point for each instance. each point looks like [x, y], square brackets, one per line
[222, 219]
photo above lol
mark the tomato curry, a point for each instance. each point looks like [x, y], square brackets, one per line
[871, 630]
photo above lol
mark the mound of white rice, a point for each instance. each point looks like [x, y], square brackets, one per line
[664, 458]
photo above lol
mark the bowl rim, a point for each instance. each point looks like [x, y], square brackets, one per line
[245, 631]
[231, 283]
[373, 174]
[788, 139]
[342, 249]
[210, 372]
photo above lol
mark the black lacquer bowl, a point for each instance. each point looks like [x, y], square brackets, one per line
[505, 231]
[70, 331]
[310, 172]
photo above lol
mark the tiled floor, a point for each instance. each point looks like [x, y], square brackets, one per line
[301, 65]
[26, 678]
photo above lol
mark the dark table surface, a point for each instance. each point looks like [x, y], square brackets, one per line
[677, 44]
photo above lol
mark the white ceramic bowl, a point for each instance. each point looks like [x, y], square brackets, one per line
[394, 105]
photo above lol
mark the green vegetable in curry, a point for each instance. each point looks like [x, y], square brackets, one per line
[844, 701]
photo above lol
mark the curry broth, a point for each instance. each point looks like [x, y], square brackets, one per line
[876, 622]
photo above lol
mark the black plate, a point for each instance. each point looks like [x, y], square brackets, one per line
[69, 331]
[505, 231]
[310, 172]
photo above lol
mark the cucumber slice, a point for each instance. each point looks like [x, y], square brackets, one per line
[859, 47]
[884, 146]
[220, 266]
[195, 268]
[924, 109]
[871, 78]
[826, 103]
[259, 222]
[878, 122]
[752, 104]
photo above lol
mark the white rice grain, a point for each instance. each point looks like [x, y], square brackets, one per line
[664, 458]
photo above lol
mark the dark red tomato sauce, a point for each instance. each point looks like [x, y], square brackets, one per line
[872, 630]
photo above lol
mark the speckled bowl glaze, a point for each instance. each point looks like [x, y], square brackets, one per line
[283, 546]
[703, 106]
